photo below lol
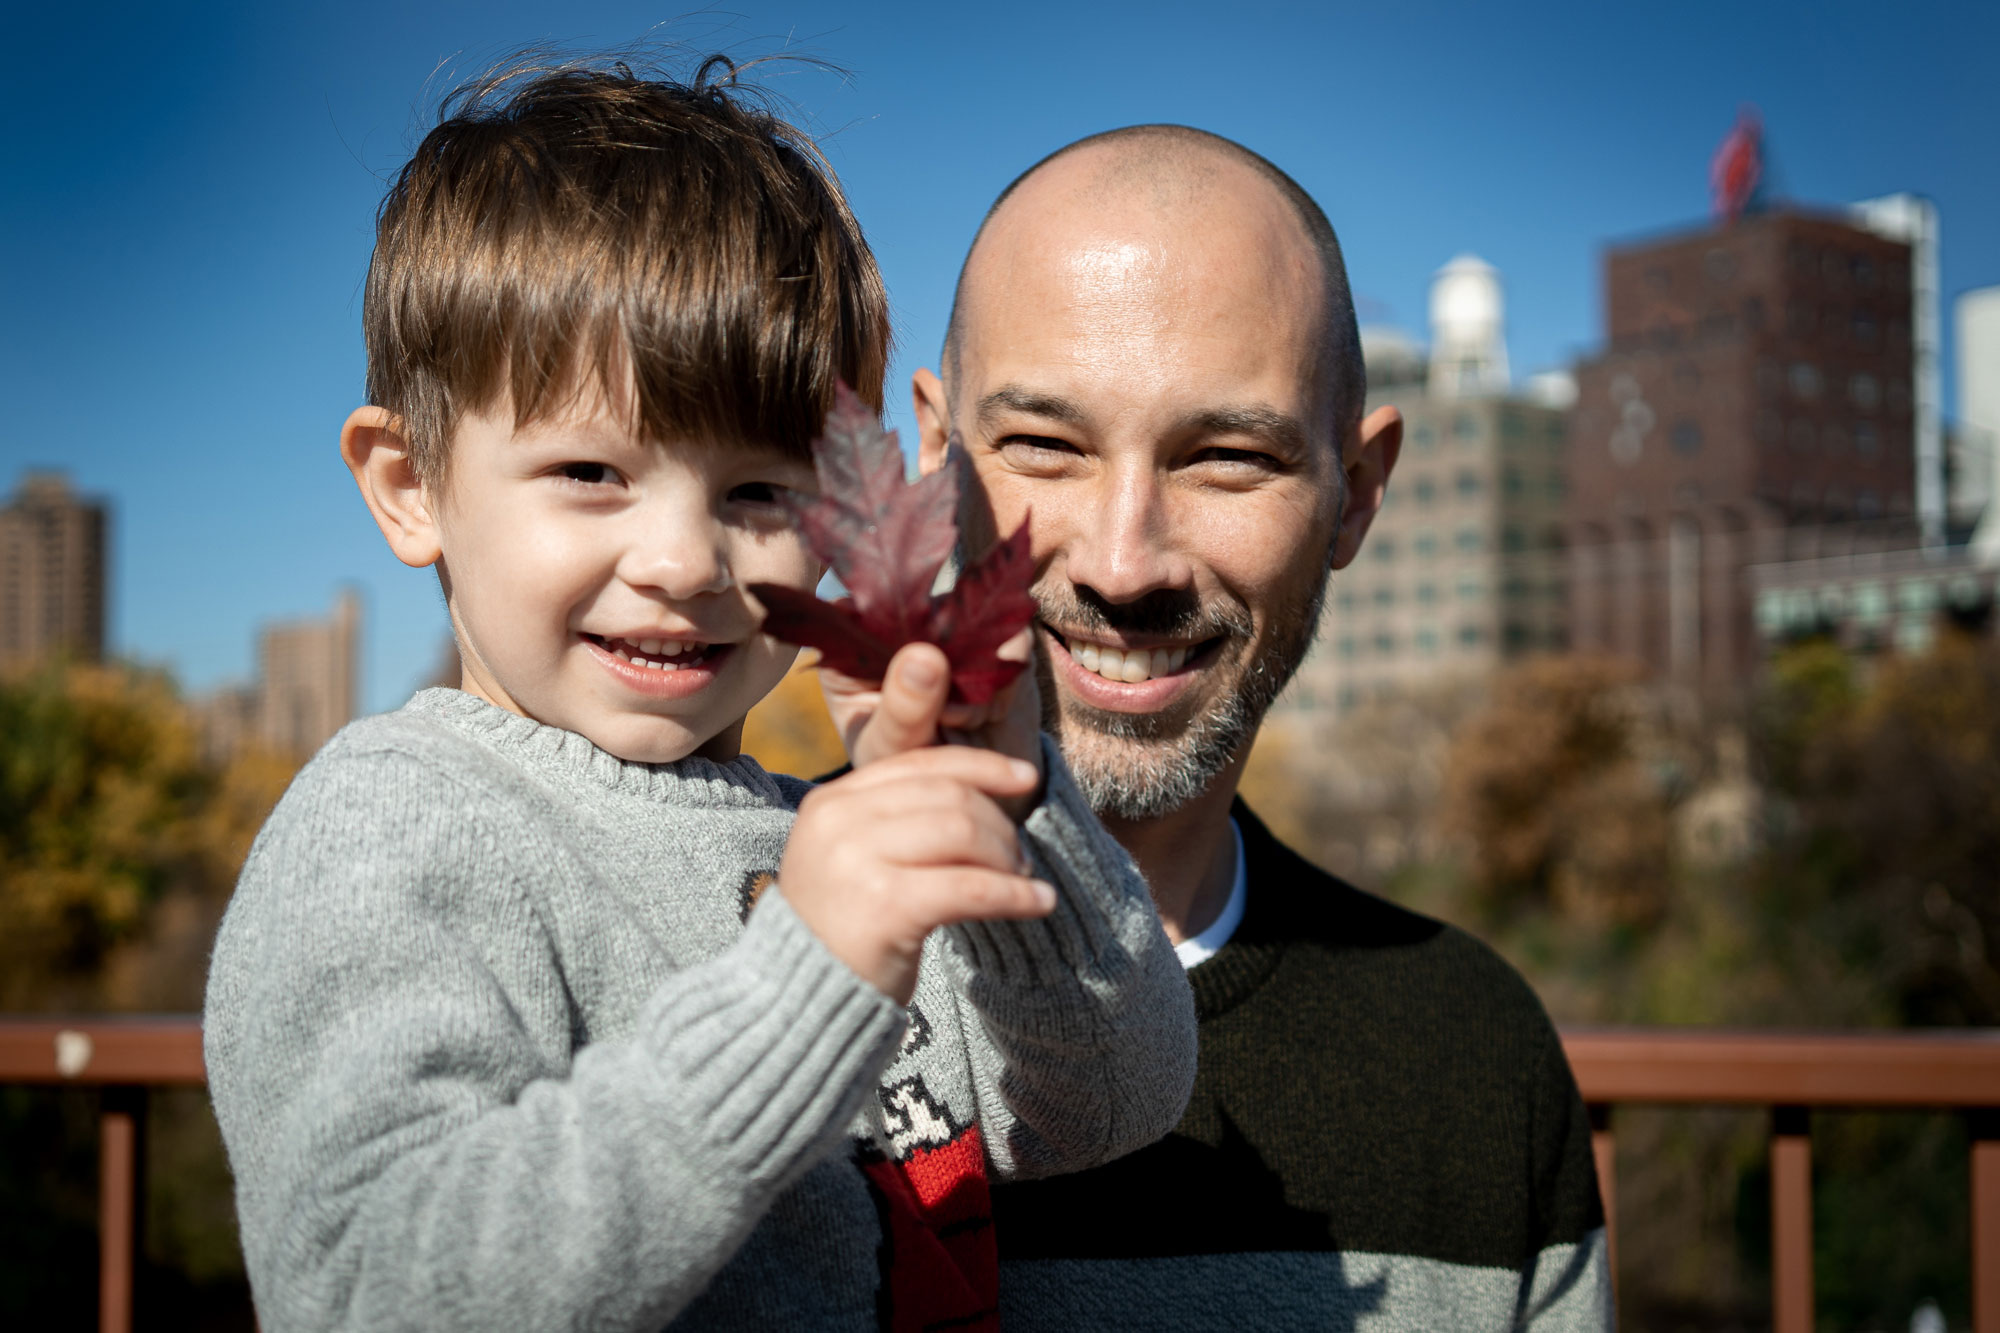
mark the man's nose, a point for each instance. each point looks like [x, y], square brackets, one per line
[1123, 545]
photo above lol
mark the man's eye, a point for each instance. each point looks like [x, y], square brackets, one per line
[590, 474]
[1238, 458]
[1039, 443]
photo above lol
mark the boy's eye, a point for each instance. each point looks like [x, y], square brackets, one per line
[590, 474]
[756, 493]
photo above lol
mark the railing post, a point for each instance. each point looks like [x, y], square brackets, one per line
[1604, 1150]
[1791, 1220]
[1985, 1127]
[121, 1203]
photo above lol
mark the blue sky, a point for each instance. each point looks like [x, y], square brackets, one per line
[190, 192]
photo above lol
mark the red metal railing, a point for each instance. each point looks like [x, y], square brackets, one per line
[1793, 1074]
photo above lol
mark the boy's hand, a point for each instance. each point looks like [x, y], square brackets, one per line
[883, 856]
[910, 709]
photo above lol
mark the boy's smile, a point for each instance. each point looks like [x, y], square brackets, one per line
[595, 580]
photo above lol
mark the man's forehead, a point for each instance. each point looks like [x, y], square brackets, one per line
[1069, 245]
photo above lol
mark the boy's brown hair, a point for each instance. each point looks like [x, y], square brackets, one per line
[686, 250]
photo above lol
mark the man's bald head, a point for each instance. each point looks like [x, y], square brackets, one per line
[1168, 168]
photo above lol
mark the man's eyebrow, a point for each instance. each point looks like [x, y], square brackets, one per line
[1273, 427]
[1014, 398]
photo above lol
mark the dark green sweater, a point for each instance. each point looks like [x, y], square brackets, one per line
[1384, 1134]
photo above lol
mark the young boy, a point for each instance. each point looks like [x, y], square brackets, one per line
[538, 1005]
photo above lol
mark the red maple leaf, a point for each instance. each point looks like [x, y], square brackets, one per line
[886, 539]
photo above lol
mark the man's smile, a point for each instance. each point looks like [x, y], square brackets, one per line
[1128, 676]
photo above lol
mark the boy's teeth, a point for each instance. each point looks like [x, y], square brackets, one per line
[1139, 664]
[656, 654]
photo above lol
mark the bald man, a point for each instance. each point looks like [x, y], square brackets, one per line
[1153, 353]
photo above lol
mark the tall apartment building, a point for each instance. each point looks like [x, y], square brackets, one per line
[1756, 392]
[307, 670]
[307, 687]
[1462, 568]
[51, 573]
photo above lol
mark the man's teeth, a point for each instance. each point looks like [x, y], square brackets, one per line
[659, 654]
[1131, 667]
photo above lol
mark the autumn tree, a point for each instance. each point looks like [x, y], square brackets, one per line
[118, 843]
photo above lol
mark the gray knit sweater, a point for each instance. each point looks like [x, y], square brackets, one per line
[502, 1034]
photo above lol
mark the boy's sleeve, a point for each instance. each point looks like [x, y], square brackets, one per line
[389, 1046]
[1080, 1025]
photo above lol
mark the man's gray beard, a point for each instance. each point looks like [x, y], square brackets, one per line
[1140, 781]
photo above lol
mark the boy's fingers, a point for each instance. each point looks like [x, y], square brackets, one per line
[961, 837]
[983, 770]
[912, 699]
[946, 897]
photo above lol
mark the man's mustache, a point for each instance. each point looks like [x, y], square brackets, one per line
[1170, 613]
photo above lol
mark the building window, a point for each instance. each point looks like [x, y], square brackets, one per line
[1865, 330]
[1385, 644]
[1511, 539]
[1510, 480]
[1349, 646]
[1346, 600]
[1469, 541]
[1558, 486]
[1511, 426]
[1425, 544]
[1427, 594]
[1864, 272]
[1383, 549]
[1465, 426]
[1867, 505]
[1804, 378]
[1385, 596]
[1425, 490]
[1686, 437]
[1871, 603]
[1867, 440]
[1468, 483]
[1917, 596]
[1470, 636]
[1517, 638]
[1424, 437]
[1470, 589]
[1866, 392]
[1427, 641]
[1800, 434]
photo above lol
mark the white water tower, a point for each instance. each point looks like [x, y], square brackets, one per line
[1468, 330]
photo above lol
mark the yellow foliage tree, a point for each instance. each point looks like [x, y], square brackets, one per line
[108, 814]
[790, 732]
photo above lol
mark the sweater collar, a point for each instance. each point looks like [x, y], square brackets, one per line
[694, 781]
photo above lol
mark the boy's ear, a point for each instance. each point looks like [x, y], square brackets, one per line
[933, 420]
[372, 445]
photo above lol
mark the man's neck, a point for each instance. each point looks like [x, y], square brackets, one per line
[1188, 857]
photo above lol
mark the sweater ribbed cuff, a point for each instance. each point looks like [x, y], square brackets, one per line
[1102, 908]
[774, 1055]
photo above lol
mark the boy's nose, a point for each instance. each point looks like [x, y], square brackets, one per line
[684, 566]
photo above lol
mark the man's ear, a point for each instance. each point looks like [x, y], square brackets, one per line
[1369, 458]
[375, 451]
[933, 420]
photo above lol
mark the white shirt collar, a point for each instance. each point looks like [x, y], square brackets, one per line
[1204, 946]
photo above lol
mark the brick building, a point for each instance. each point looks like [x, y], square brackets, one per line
[51, 574]
[1756, 389]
